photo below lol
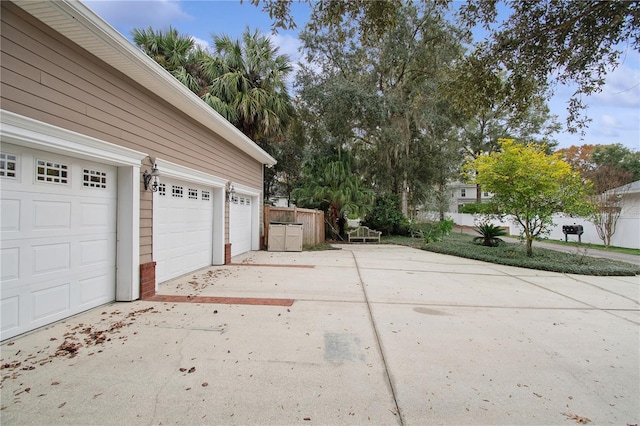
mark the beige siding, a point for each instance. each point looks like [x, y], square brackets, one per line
[46, 77]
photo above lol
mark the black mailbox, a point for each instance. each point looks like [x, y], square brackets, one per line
[573, 230]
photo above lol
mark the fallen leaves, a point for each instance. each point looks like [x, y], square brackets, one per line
[78, 337]
[68, 348]
[577, 418]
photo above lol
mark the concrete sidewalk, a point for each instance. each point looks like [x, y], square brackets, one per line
[377, 334]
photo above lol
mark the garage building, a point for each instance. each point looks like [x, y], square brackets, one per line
[84, 116]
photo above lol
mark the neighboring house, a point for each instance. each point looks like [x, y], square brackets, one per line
[464, 193]
[84, 114]
[280, 201]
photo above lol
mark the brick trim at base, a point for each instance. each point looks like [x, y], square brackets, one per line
[227, 253]
[147, 280]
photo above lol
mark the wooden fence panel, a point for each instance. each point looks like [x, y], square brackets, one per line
[312, 222]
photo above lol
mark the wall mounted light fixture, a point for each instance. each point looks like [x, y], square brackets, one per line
[231, 192]
[147, 179]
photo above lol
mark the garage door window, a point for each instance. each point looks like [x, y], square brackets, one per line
[206, 196]
[162, 189]
[94, 178]
[176, 191]
[52, 172]
[8, 165]
[193, 194]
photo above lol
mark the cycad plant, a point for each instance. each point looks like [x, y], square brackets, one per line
[490, 234]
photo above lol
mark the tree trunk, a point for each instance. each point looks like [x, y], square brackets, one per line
[405, 199]
[478, 193]
[529, 244]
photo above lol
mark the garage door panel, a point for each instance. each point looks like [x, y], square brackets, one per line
[40, 303]
[182, 229]
[10, 215]
[95, 290]
[95, 252]
[9, 263]
[240, 225]
[51, 215]
[43, 215]
[10, 313]
[52, 301]
[96, 216]
[58, 253]
[46, 258]
[49, 258]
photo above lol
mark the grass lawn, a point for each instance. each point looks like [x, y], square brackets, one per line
[514, 254]
[592, 246]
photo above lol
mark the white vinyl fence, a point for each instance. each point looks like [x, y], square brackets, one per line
[627, 232]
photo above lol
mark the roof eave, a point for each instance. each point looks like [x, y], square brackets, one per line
[81, 25]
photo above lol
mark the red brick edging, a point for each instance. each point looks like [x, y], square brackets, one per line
[220, 300]
[272, 265]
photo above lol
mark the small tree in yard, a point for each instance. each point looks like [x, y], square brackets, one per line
[606, 201]
[530, 185]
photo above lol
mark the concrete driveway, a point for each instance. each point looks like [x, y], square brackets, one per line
[369, 334]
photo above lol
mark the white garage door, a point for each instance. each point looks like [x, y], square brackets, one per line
[240, 225]
[58, 253]
[182, 228]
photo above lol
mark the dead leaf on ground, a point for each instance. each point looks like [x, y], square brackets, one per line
[577, 418]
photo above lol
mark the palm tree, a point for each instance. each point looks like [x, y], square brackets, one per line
[248, 84]
[177, 53]
[244, 81]
[335, 187]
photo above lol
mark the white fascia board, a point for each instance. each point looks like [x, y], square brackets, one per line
[176, 171]
[81, 25]
[25, 131]
[245, 190]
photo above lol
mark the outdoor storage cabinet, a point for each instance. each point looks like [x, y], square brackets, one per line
[285, 237]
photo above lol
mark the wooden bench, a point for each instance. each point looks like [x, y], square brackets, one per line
[364, 234]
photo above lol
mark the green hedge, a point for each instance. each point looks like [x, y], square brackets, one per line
[479, 208]
[511, 254]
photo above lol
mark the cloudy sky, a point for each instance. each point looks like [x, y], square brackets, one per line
[615, 112]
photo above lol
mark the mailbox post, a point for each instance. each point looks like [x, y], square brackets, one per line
[573, 230]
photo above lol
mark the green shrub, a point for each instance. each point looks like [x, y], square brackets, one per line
[479, 208]
[386, 216]
[432, 231]
[446, 226]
